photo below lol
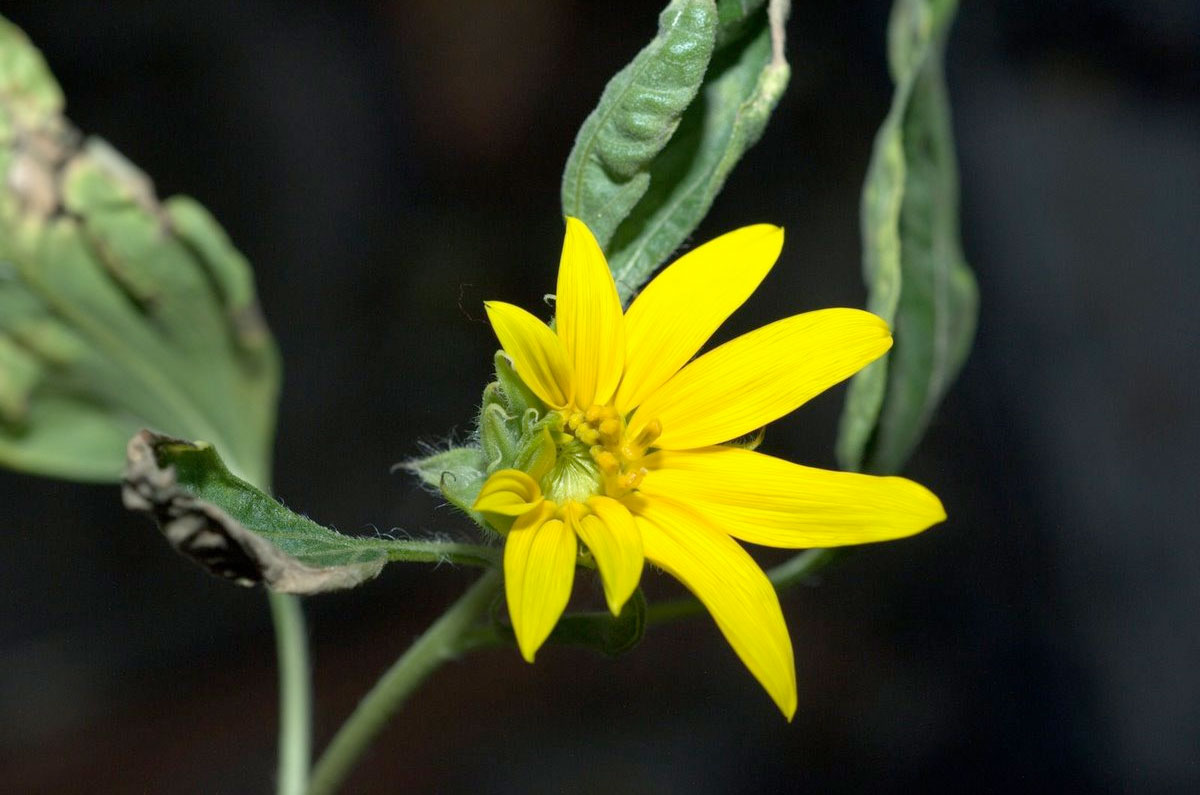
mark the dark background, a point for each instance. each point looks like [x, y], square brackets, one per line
[388, 166]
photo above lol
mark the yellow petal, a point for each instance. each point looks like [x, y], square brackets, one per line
[681, 308]
[760, 376]
[508, 492]
[616, 544]
[537, 354]
[729, 584]
[766, 500]
[588, 317]
[539, 569]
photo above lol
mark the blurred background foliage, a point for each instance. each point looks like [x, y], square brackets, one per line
[388, 166]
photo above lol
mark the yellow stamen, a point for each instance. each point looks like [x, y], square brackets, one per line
[610, 428]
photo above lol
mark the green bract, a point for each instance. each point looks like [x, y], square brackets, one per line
[511, 431]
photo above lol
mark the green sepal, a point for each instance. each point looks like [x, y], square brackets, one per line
[457, 472]
[497, 437]
[913, 265]
[538, 454]
[601, 631]
[518, 398]
[511, 430]
[236, 531]
[598, 630]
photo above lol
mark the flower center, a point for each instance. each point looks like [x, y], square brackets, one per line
[617, 456]
[574, 475]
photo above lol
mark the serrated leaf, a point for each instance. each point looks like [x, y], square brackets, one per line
[236, 531]
[125, 311]
[913, 265]
[741, 89]
[607, 171]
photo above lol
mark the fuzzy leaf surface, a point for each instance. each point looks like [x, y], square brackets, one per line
[608, 170]
[916, 275]
[236, 531]
[741, 89]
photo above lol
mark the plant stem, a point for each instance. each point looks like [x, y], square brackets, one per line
[295, 671]
[295, 694]
[441, 642]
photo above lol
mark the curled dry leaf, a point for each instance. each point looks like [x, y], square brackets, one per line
[212, 536]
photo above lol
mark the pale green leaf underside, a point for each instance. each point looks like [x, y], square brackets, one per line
[117, 310]
[916, 276]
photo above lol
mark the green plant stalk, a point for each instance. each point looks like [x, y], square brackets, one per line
[295, 694]
[449, 636]
[295, 678]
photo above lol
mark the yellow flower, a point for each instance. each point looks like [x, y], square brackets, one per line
[637, 469]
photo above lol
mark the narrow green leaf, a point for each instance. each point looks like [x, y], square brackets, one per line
[916, 276]
[118, 311]
[236, 531]
[607, 171]
[744, 84]
[734, 17]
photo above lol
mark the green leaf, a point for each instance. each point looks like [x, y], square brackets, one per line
[734, 17]
[608, 169]
[236, 531]
[670, 127]
[27, 85]
[744, 84]
[117, 311]
[916, 275]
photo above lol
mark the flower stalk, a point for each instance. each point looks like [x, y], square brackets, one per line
[449, 637]
[295, 694]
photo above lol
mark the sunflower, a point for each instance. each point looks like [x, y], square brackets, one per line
[639, 468]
